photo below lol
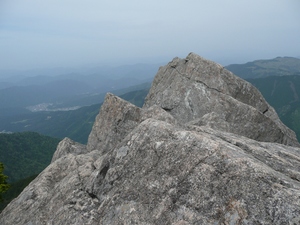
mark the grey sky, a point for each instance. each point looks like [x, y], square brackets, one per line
[50, 33]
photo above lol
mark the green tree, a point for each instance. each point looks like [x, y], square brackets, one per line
[3, 184]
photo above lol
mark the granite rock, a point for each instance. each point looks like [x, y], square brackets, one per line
[199, 91]
[184, 158]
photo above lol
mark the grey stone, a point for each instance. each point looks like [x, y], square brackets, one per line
[198, 89]
[67, 146]
[178, 165]
[116, 118]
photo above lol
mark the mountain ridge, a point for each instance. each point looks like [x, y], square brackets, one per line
[279, 66]
[185, 157]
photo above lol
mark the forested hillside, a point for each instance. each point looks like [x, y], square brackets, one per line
[283, 93]
[25, 154]
[280, 66]
[14, 190]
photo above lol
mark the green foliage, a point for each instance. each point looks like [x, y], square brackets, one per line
[25, 154]
[14, 191]
[3, 183]
[279, 91]
[291, 118]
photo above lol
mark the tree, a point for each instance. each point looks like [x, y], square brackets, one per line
[3, 184]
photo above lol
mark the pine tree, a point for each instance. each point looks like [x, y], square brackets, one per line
[3, 184]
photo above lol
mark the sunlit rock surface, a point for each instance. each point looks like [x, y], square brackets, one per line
[206, 148]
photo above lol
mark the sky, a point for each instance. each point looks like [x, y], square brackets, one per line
[70, 33]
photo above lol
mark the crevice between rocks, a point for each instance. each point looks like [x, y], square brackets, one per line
[265, 111]
[77, 171]
[104, 170]
[166, 109]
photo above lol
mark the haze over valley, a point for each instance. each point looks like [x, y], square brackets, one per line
[200, 128]
[114, 112]
[66, 105]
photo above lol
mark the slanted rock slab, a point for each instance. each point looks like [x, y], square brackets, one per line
[206, 148]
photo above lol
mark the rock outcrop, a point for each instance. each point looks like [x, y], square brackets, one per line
[201, 92]
[206, 148]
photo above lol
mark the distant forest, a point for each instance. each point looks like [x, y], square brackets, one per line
[25, 154]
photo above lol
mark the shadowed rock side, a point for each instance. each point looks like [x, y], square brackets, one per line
[155, 166]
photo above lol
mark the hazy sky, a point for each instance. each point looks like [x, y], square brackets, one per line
[51, 33]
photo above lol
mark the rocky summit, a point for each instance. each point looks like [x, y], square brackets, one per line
[205, 148]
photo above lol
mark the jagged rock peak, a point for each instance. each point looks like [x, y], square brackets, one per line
[116, 119]
[201, 92]
[174, 165]
[66, 147]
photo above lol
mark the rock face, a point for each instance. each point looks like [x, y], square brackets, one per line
[201, 151]
[201, 92]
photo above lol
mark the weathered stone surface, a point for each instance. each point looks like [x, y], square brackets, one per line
[55, 196]
[67, 146]
[116, 118]
[155, 166]
[198, 89]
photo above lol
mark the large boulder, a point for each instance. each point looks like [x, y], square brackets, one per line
[202, 92]
[172, 162]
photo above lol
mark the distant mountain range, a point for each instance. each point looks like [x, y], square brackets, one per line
[277, 79]
[75, 124]
[282, 92]
[19, 94]
[280, 66]
[221, 158]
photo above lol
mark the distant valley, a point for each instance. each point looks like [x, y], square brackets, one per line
[54, 106]
[19, 94]
[75, 124]
[66, 106]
